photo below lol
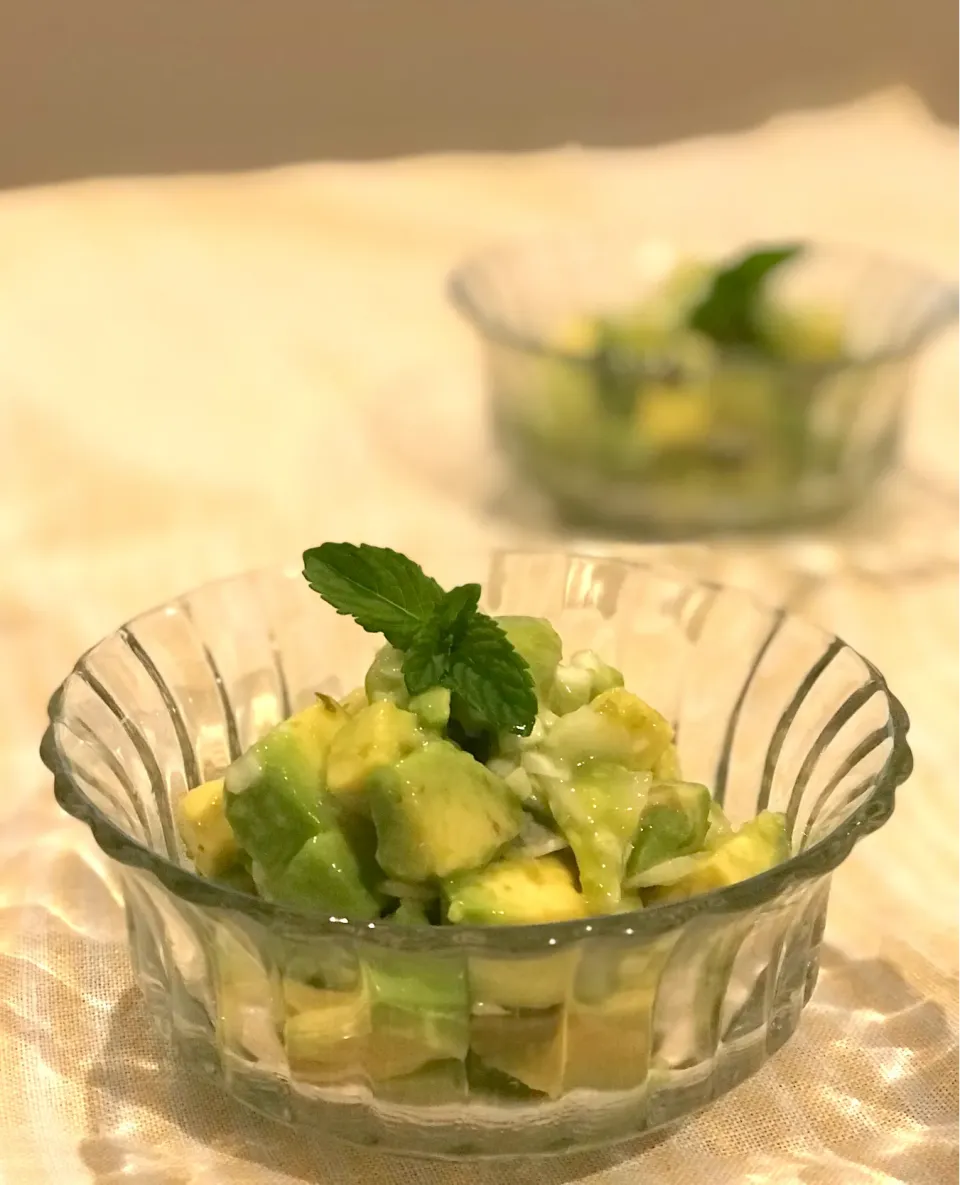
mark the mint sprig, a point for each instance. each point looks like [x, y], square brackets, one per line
[382, 590]
[447, 641]
[729, 312]
[428, 659]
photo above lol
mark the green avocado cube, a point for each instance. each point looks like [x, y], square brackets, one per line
[438, 812]
[538, 643]
[515, 891]
[325, 875]
[674, 823]
[272, 794]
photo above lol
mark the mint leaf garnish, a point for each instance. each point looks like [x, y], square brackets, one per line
[427, 661]
[384, 591]
[491, 679]
[446, 640]
[729, 311]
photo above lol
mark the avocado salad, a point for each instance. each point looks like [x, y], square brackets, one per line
[710, 383]
[476, 778]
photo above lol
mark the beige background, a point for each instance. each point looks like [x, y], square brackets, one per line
[116, 86]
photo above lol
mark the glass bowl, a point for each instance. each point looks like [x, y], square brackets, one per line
[457, 1041]
[709, 439]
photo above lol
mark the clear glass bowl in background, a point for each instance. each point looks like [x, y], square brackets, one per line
[781, 443]
[617, 1024]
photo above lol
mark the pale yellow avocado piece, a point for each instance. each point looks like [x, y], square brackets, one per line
[515, 892]
[615, 727]
[204, 829]
[354, 701]
[379, 734]
[325, 1032]
[753, 848]
[669, 415]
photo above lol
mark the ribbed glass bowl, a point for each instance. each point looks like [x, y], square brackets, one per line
[770, 443]
[612, 1026]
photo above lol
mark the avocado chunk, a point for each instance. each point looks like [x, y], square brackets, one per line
[249, 1003]
[205, 832]
[325, 1033]
[432, 708]
[517, 891]
[528, 1047]
[608, 1045]
[580, 680]
[325, 875]
[753, 848]
[378, 735]
[272, 794]
[616, 726]
[571, 689]
[438, 812]
[523, 982]
[538, 643]
[384, 680]
[354, 700]
[419, 1010]
[673, 823]
[410, 912]
[599, 811]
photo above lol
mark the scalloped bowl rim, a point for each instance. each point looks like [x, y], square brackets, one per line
[820, 858]
[516, 248]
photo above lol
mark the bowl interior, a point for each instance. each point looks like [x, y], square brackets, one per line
[770, 712]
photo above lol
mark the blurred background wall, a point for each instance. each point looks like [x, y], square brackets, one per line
[118, 86]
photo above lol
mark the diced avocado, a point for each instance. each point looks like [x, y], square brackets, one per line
[804, 335]
[603, 677]
[671, 415]
[432, 708]
[571, 689]
[598, 811]
[326, 1039]
[673, 823]
[536, 641]
[433, 1084]
[438, 812]
[608, 1044]
[384, 680]
[515, 892]
[419, 1010]
[718, 827]
[484, 1080]
[272, 793]
[523, 981]
[758, 845]
[239, 876]
[667, 766]
[249, 1003]
[205, 832]
[410, 912]
[616, 727]
[529, 1047]
[354, 700]
[378, 735]
[326, 963]
[325, 875]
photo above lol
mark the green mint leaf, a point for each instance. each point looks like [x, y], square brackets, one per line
[491, 679]
[729, 312]
[427, 660]
[384, 591]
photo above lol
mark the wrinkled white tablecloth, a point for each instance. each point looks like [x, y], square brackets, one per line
[201, 374]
